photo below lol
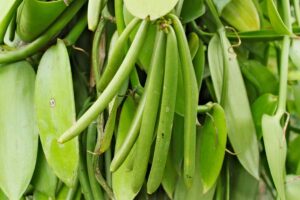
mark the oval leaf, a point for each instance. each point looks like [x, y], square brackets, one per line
[241, 129]
[191, 12]
[265, 104]
[55, 111]
[18, 133]
[213, 136]
[276, 21]
[276, 149]
[153, 9]
[242, 15]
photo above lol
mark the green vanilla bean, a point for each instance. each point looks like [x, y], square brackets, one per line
[95, 8]
[116, 56]
[191, 102]
[150, 112]
[166, 115]
[112, 88]
[128, 143]
[33, 47]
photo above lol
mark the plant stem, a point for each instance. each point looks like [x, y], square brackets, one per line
[43, 40]
[76, 31]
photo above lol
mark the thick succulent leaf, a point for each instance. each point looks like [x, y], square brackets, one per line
[153, 9]
[123, 176]
[295, 52]
[191, 10]
[46, 12]
[44, 179]
[213, 136]
[196, 191]
[242, 15]
[241, 129]
[276, 149]
[292, 187]
[55, 109]
[242, 184]
[265, 104]
[18, 133]
[260, 76]
[220, 4]
[276, 21]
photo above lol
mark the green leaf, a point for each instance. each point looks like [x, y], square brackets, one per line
[260, 76]
[36, 16]
[122, 177]
[241, 129]
[2, 196]
[196, 191]
[242, 15]
[292, 187]
[243, 185]
[220, 4]
[276, 21]
[295, 52]
[153, 9]
[18, 133]
[275, 147]
[191, 12]
[44, 179]
[213, 136]
[265, 104]
[55, 109]
[293, 156]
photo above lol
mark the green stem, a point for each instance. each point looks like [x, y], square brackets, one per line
[76, 31]
[284, 61]
[283, 75]
[73, 191]
[107, 157]
[214, 13]
[43, 40]
[205, 108]
[5, 22]
[297, 11]
[135, 82]
[82, 173]
[101, 179]
[112, 89]
[119, 16]
[91, 141]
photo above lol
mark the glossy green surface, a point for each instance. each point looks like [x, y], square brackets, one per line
[213, 137]
[46, 12]
[55, 110]
[153, 9]
[18, 133]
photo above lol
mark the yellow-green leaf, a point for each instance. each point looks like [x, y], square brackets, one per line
[153, 9]
[18, 133]
[55, 109]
